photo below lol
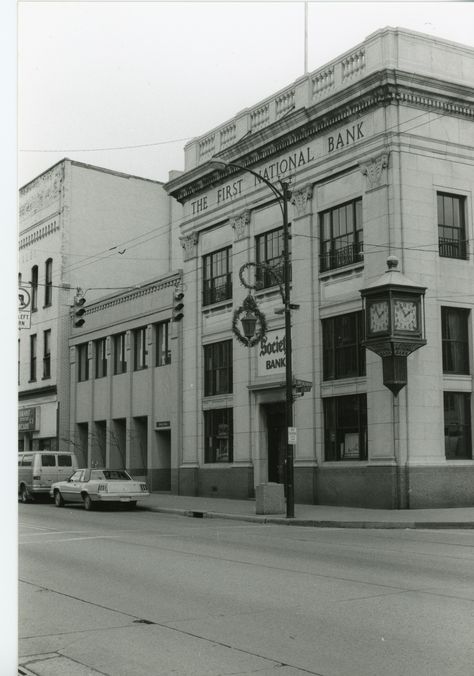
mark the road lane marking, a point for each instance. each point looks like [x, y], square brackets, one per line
[90, 537]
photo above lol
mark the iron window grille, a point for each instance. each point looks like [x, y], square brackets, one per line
[457, 426]
[100, 358]
[83, 362]
[343, 349]
[269, 248]
[163, 350]
[219, 435]
[120, 362]
[342, 238]
[218, 368]
[345, 428]
[451, 226]
[455, 337]
[217, 276]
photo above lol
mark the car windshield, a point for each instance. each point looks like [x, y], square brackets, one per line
[110, 475]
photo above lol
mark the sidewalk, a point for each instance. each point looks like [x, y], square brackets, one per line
[318, 516]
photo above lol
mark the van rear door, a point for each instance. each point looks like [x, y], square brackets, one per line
[45, 471]
[66, 466]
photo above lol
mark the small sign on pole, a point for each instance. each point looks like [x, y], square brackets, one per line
[292, 436]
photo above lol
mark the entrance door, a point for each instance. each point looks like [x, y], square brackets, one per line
[276, 434]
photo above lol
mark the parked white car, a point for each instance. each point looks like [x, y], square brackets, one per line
[94, 486]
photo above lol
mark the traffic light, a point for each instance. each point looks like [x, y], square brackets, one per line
[178, 306]
[79, 310]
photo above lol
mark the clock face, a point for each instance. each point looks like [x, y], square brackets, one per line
[378, 316]
[405, 315]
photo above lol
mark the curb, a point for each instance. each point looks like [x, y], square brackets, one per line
[312, 523]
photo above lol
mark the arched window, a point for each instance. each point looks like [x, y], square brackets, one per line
[34, 287]
[48, 283]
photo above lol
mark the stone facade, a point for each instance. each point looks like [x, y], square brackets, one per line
[372, 144]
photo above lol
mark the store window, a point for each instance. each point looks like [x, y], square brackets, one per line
[217, 276]
[120, 362]
[457, 426]
[218, 368]
[100, 349]
[34, 288]
[48, 283]
[342, 240]
[163, 350]
[218, 430]
[269, 248]
[343, 351]
[33, 348]
[345, 428]
[47, 354]
[83, 362]
[139, 349]
[451, 226]
[455, 336]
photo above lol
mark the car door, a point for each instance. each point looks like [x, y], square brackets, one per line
[71, 489]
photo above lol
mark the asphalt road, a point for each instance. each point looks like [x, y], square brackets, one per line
[135, 593]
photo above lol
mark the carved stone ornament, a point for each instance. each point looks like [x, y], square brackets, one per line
[240, 225]
[189, 244]
[374, 170]
[301, 198]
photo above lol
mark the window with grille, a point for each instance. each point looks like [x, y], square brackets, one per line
[345, 428]
[451, 226]
[269, 249]
[343, 352]
[217, 276]
[342, 239]
[219, 436]
[218, 368]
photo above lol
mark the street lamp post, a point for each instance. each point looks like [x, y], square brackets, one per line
[283, 196]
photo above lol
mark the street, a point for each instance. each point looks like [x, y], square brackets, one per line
[135, 593]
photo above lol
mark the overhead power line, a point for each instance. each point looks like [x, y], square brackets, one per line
[96, 150]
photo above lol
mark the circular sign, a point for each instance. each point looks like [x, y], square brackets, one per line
[24, 299]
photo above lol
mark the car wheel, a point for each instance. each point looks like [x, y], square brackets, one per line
[23, 494]
[58, 499]
[87, 502]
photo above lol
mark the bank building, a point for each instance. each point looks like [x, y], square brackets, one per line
[376, 149]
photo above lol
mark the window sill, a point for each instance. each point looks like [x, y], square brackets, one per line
[344, 270]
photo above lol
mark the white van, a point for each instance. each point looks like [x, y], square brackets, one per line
[37, 470]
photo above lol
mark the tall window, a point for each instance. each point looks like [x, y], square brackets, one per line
[343, 352]
[454, 329]
[33, 347]
[100, 357]
[47, 353]
[219, 435]
[139, 349]
[34, 287]
[83, 362]
[218, 368]
[451, 226]
[457, 426]
[120, 362]
[345, 427]
[270, 252]
[217, 276]
[163, 351]
[342, 239]
[48, 284]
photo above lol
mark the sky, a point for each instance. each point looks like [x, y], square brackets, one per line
[124, 85]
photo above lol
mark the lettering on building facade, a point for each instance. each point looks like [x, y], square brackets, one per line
[272, 353]
[348, 136]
